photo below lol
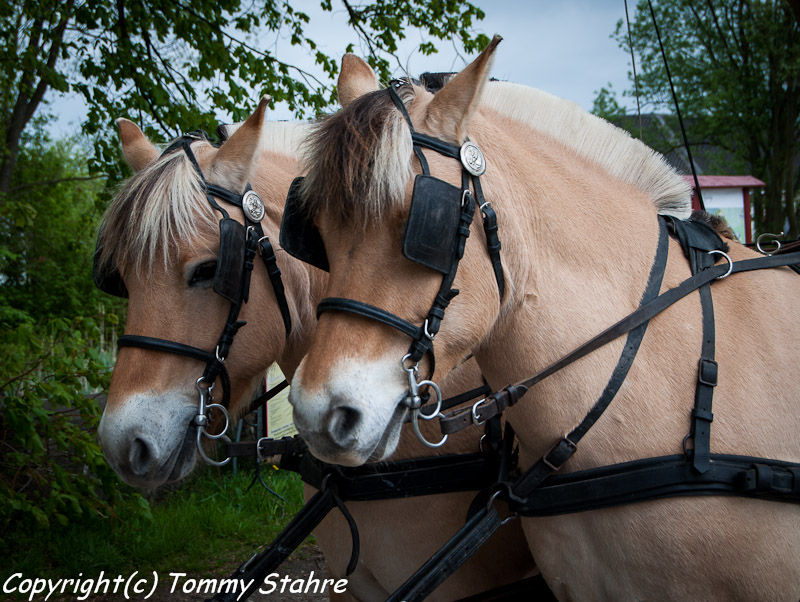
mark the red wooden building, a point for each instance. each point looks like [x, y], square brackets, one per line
[728, 196]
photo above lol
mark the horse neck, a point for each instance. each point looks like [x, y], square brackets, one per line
[578, 244]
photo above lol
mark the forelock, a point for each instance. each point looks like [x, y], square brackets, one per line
[359, 159]
[152, 213]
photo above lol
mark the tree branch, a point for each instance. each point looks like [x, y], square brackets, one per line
[56, 181]
[245, 45]
[52, 57]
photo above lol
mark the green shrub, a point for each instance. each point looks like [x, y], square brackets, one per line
[52, 469]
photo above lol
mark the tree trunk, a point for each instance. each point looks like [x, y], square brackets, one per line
[29, 96]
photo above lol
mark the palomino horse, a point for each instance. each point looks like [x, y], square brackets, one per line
[576, 202]
[162, 234]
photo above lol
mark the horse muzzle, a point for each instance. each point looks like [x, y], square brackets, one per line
[148, 441]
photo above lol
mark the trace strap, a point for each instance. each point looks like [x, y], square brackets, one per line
[498, 401]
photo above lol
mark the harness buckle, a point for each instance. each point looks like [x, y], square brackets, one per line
[259, 456]
[559, 453]
[425, 330]
[476, 420]
[707, 372]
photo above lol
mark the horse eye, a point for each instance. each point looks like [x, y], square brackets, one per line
[203, 273]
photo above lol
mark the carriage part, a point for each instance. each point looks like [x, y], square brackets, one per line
[765, 237]
[449, 557]
[260, 565]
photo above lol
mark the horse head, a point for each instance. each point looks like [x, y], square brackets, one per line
[176, 235]
[362, 191]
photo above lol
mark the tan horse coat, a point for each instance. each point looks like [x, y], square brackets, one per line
[577, 208]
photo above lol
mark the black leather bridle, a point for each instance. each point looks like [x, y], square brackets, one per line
[238, 247]
[446, 260]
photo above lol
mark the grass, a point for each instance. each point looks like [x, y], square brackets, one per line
[211, 520]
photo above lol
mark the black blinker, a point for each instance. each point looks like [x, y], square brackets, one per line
[228, 278]
[109, 280]
[299, 236]
[430, 237]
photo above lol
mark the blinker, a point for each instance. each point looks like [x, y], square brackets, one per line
[109, 280]
[299, 236]
[432, 226]
[228, 277]
[430, 233]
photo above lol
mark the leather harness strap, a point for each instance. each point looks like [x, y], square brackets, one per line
[658, 478]
[496, 403]
[538, 492]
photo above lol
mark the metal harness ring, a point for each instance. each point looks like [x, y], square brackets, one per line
[730, 262]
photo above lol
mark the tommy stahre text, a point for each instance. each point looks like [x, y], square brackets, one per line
[141, 586]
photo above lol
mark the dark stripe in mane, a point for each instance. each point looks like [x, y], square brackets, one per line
[347, 158]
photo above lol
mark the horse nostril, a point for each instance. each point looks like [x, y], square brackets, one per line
[141, 457]
[343, 422]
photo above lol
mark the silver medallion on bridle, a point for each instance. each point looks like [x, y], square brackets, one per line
[472, 158]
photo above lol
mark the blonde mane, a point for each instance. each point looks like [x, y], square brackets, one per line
[359, 159]
[597, 140]
[165, 203]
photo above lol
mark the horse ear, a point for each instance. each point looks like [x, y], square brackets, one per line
[138, 150]
[451, 107]
[232, 163]
[356, 79]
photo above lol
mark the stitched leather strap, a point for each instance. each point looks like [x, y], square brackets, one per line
[452, 555]
[369, 311]
[273, 271]
[497, 402]
[662, 477]
[492, 239]
[213, 366]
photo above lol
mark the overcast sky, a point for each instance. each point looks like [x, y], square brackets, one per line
[563, 47]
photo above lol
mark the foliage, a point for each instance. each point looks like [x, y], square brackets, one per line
[48, 421]
[50, 358]
[736, 69]
[606, 105]
[175, 537]
[47, 232]
[174, 65]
